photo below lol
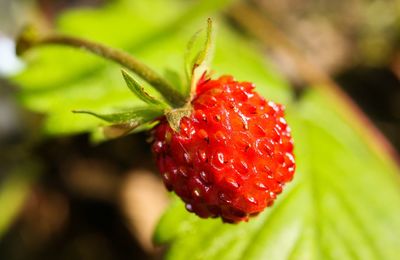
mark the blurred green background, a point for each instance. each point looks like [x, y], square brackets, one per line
[66, 193]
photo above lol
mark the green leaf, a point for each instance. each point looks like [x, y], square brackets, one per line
[139, 91]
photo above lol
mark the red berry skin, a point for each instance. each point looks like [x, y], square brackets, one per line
[231, 156]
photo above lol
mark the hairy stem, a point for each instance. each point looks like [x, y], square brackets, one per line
[28, 40]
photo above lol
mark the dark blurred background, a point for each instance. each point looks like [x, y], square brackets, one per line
[98, 214]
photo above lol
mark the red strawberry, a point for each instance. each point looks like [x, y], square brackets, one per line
[221, 147]
[231, 156]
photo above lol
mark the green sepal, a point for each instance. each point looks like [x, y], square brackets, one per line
[126, 121]
[204, 56]
[191, 58]
[139, 91]
[198, 66]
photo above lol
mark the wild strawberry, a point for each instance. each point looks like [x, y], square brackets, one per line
[219, 145]
[232, 154]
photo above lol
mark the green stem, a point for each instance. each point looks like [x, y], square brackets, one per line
[28, 40]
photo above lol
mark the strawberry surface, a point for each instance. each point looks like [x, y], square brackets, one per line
[231, 157]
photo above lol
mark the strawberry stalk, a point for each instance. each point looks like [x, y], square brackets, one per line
[28, 39]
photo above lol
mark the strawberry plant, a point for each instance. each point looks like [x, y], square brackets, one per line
[343, 202]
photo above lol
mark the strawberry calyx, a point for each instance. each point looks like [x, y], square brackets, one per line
[174, 104]
[197, 73]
